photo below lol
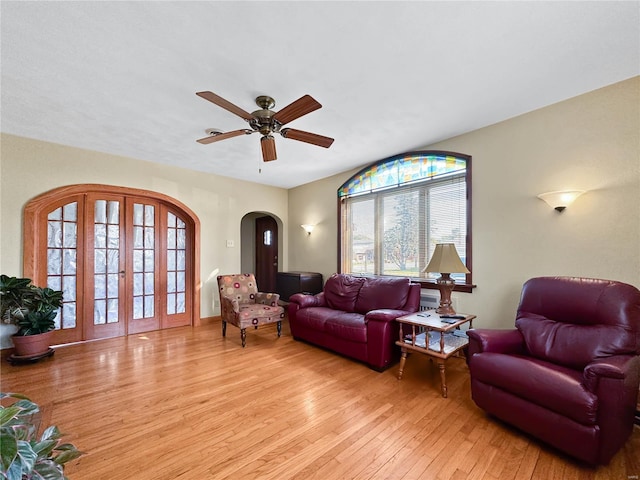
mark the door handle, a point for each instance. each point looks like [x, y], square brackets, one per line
[121, 272]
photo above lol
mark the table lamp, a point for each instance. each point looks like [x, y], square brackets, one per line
[445, 260]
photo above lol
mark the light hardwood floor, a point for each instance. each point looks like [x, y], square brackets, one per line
[186, 404]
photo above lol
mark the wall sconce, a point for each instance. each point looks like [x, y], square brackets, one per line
[560, 200]
[308, 228]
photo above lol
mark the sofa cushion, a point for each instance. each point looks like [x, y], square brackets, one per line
[382, 292]
[348, 326]
[553, 387]
[341, 291]
[314, 318]
[571, 345]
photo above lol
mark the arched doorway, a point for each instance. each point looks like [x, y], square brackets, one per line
[126, 259]
[261, 248]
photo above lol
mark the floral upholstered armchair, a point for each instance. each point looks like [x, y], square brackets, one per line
[243, 306]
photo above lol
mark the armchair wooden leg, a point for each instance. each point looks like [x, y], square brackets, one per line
[224, 328]
[279, 328]
[243, 336]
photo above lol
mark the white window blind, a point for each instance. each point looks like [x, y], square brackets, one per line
[394, 231]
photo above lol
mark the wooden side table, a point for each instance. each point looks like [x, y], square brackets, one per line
[432, 335]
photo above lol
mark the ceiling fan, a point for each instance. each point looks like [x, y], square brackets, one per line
[267, 122]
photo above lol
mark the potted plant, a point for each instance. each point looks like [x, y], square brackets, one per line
[24, 455]
[33, 310]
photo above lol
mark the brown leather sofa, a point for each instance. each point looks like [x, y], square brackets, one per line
[355, 316]
[568, 373]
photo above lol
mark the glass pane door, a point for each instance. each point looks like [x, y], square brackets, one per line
[177, 308]
[105, 264]
[143, 312]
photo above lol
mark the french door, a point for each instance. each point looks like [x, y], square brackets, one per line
[124, 262]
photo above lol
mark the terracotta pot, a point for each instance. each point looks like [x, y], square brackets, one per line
[31, 345]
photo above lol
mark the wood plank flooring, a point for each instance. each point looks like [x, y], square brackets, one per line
[187, 404]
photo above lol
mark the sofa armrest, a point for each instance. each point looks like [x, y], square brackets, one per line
[382, 333]
[264, 298]
[384, 315]
[306, 301]
[495, 341]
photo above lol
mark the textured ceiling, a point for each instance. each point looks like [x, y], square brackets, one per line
[120, 77]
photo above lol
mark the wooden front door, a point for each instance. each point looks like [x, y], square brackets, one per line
[266, 253]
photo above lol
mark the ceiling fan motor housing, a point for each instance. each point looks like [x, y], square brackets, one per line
[262, 119]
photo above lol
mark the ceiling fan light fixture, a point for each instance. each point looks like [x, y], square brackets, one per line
[268, 145]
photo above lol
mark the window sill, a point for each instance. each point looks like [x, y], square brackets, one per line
[459, 287]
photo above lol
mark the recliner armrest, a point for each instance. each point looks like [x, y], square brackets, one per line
[496, 341]
[617, 366]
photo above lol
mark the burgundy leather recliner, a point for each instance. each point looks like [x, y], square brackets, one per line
[568, 373]
[355, 316]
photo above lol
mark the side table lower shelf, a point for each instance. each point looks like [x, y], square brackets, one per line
[436, 337]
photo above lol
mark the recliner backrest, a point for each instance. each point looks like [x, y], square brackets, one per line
[572, 321]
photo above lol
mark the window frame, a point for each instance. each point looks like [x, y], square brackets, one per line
[468, 285]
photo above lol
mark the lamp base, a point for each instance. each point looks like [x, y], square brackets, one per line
[445, 285]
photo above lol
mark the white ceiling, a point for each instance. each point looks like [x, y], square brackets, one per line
[120, 77]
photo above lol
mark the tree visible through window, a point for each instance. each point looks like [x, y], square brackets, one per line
[394, 212]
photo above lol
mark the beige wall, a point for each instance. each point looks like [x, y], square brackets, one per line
[591, 142]
[31, 167]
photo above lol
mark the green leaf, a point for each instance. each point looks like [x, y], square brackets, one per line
[44, 448]
[8, 450]
[18, 412]
[51, 433]
[13, 395]
[15, 471]
[48, 470]
[26, 456]
[67, 455]
[9, 413]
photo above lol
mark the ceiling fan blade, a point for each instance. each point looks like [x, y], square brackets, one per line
[268, 145]
[300, 107]
[227, 105]
[306, 137]
[222, 136]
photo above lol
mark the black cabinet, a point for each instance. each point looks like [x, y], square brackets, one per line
[288, 283]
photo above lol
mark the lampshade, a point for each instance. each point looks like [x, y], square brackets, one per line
[445, 259]
[560, 200]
